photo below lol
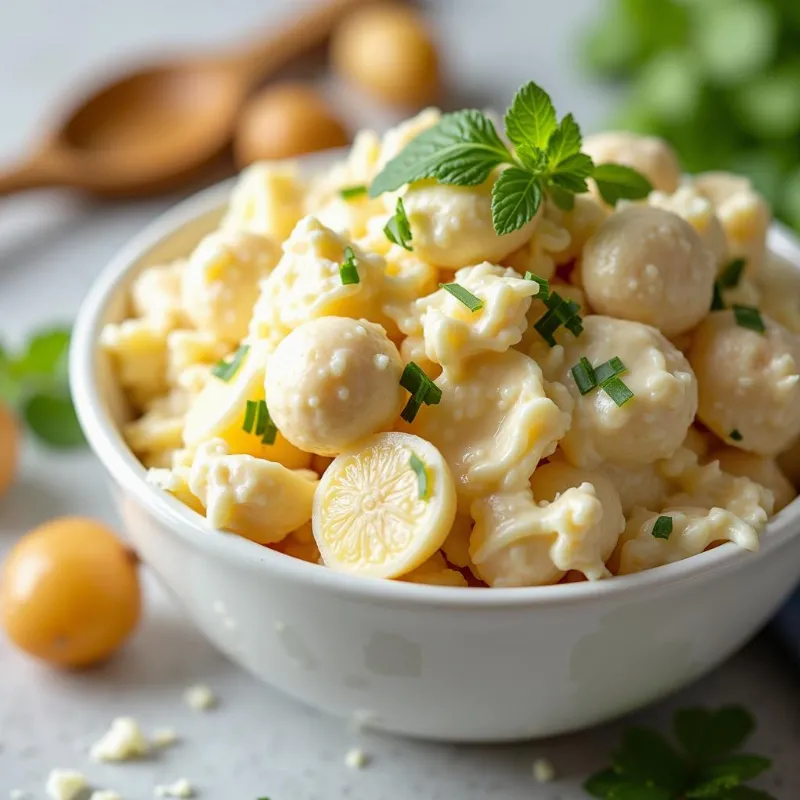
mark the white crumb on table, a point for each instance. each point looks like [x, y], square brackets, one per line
[543, 770]
[105, 794]
[65, 784]
[181, 788]
[356, 758]
[164, 737]
[123, 741]
[199, 697]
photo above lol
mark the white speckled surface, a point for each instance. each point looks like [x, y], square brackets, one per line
[257, 743]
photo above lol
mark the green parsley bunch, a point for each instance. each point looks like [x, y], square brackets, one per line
[463, 148]
[647, 767]
[34, 383]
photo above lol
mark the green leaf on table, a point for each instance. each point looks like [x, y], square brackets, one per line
[51, 417]
[745, 793]
[645, 756]
[737, 768]
[617, 182]
[531, 118]
[462, 149]
[516, 197]
[45, 356]
[709, 735]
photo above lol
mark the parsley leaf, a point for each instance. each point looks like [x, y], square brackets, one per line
[516, 197]
[645, 756]
[461, 150]
[706, 735]
[616, 182]
[531, 118]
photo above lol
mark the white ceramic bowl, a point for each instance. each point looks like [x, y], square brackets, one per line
[435, 662]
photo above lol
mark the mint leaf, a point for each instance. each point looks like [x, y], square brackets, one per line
[708, 735]
[461, 149]
[745, 793]
[572, 173]
[45, 356]
[516, 197]
[531, 119]
[52, 418]
[741, 767]
[638, 791]
[646, 757]
[561, 197]
[566, 141]
[601, 784]
[712, 788]
[616, 182]
[398, 228]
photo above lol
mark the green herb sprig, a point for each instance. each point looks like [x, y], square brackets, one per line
[605, 376]
[647, 767]
[398, 229]
[662, 527]
[348, 270]
[463, 295]
[34, 383]
[258, 421]
[463, 149]
[226, 368]
[421, 471]
[352, 192]
[422, 389]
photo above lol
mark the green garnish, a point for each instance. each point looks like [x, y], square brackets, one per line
[735, 435]
[732, 273]
[418, 465]
[544, 285]
[348, 271]
[422, 389]
[646, 766]
[606, 376]
[749, 317]
[350, 192]
[34, 383]
[463, 149]
[398, 228]
[560, 312]
[463, 295]
[717, 303]
[228, 367]
[662, 528]
[258, 421]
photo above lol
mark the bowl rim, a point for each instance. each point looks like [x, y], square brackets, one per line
[108, 445]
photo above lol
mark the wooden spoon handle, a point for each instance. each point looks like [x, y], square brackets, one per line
[280, 45]
[33, 173]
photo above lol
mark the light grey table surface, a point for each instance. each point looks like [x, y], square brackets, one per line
[259, 743]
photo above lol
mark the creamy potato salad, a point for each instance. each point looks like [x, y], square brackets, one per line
[510, 378]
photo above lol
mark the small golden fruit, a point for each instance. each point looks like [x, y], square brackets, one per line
[9, 448]
[285, 121]
[69, 592]
[387, 50]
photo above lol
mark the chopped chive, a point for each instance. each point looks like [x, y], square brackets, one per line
[616, 390]
[749, 317]
[544, 285]
[463, 295]
[735, 435]
[418, 465]
[584, 376]
[398, 228]
[422, 388]
[250, 416]
[731, 275]
[662, 528]
[349, 192]
[609, 369]
[561, 312]
[262, 418]
[226, 369]
[717, 303]
[348, 271]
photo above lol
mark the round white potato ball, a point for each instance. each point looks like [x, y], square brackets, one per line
[649, 265]
[451, 226]
[749, 382]
[220, 283]
[762, 470]
[649, 426]
[332, 382]
[651, 156]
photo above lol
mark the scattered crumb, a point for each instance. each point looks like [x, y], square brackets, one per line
[164, 737]
[123, 741]
[199, 697]
[105, 794]
[543, 770]
[356, 758]
[181, 788]
[65, 784]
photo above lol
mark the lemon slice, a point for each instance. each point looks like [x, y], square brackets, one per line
[218, 412]
[377, 514]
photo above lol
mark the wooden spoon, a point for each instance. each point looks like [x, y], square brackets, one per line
[160, 125]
